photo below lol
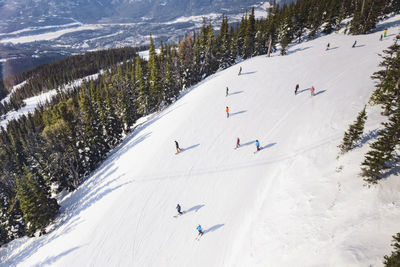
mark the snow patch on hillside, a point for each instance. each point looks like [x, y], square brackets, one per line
[33, 102]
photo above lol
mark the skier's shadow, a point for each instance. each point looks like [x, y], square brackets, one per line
[267, 146]
[248, 143]
[194, 208]
[356, 46]
[246, 73]
[301, 91]
[333, 48]
[320, 92]
[213, 228]
[237, 113]
[236, 93]
[190, 147]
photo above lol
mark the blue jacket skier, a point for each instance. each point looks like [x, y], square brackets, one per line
[355, 42]
[200, 230]
[258, 145]
[178, 208]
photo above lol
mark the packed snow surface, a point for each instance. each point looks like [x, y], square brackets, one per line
[291, 204]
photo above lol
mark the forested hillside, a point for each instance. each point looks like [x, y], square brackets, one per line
[51, 76]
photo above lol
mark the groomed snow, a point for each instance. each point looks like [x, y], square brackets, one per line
[291, 204]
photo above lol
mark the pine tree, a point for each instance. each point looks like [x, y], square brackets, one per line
[140, 87]
[155, 92]
[387, 91]
[249, 36]
[394, 259]
[38, 207]
[113, 124]
[171, 90]
[354, 132]
[383, 151]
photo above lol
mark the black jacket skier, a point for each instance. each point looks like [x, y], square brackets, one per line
[178, 208]
[177, 147]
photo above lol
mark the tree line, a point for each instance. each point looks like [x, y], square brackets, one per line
[64, 140]
[51, 76]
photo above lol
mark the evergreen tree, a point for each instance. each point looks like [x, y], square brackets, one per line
[249, 36]
[387, 91]
[394, 259]
[155, 92]
[383, 152]
[142, 97]
[354, 132]
[38, 207]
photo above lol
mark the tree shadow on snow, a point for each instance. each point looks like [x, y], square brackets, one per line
[68, 218]
[297, 50]
[213, 228]
[383, 26]
[236, 93]
[237, 113]
[54, 259]
[190, 147]
[194, 208]
[368, 136]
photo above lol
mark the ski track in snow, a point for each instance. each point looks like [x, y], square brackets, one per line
[291, 204]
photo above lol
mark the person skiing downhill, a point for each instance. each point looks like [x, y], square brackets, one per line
[227, 91]
[257, 145]
[327, 46]
[178, 150]
[385, 33]
[312, 90]
[237, 143]
[240, 71]
[380, 39]
[200, 230]
[297, 88]
[355, 42]
[227, 112]
[178, 208]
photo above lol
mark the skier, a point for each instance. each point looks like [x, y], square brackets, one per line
[227, 112]
[354, 45]
[297, 88]
[178, 150]
[312, 90]
[385, 33]
[227, 91]
[327, 46]
[178, 208]
[240, 71]
[258, 145]
[237, 143]
[380, 39]
[200, 230]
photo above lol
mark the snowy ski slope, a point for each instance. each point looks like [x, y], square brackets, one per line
[291, 204]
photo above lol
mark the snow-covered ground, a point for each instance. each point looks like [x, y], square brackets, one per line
[33, 102]
[291, 204]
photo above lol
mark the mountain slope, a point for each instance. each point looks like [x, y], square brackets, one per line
[286, 205]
